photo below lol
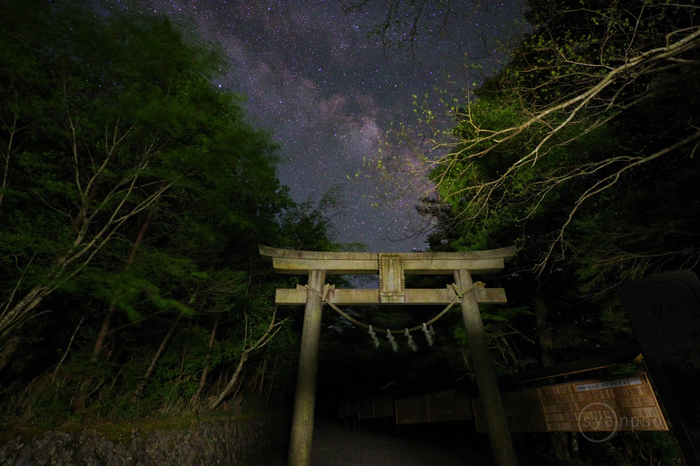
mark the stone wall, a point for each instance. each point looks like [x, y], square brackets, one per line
[206, 443]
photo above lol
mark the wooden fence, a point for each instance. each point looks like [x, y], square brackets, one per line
[623, 403]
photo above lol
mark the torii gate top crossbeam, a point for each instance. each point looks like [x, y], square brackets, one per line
[414, 263]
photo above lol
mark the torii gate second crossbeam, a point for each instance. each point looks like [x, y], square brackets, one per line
[391, 269]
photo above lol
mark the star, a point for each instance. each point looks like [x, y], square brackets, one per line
[329, 95]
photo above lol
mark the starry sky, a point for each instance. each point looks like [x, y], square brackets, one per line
[329, 93]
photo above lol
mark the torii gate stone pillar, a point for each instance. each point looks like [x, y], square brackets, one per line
[391, 269]
[305, 397]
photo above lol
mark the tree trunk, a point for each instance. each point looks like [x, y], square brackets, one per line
[104, 330]
[269, 334]
[21, 312]
[261, 383]
[232, 383]
[544, 333]
[80, 400]
[161, 348]
[205, 371]
[272, 379]
[65, 353]
[106, 322]
[8, 351]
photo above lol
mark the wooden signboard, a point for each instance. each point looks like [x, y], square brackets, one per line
[625, 403]
[391, 279]
[433, 407]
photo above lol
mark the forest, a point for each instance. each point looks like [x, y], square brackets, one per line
[135, 194]
[581, 151]
[134, 197]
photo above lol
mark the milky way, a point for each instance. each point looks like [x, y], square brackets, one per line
[328, 93]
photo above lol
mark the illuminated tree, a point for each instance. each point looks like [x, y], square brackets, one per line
[568, 119]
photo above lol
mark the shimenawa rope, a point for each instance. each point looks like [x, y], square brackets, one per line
[458, 295]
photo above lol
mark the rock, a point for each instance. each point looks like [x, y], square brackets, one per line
[206, 443]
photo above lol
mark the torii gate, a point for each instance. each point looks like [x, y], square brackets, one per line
[391, 269]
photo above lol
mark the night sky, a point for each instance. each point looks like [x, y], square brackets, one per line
[329, 94]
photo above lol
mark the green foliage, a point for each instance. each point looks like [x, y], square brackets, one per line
[134, 197]
[633, 448]
[582, 151]
[604, 185]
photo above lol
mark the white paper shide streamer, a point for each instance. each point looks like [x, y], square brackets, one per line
[392, 341]
[428, 334]
[374, 337]
[411, 343]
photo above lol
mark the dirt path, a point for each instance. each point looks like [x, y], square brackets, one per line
[334, 446]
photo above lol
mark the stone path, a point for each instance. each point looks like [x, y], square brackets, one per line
[334, 446]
